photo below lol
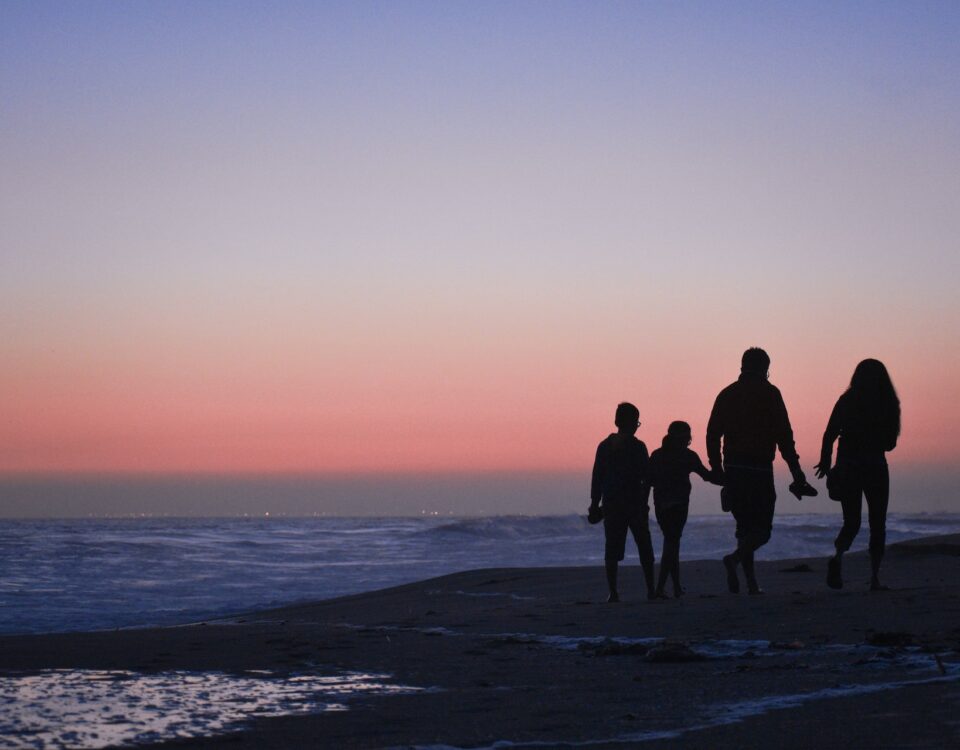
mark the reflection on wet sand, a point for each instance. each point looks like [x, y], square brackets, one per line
[94, 708]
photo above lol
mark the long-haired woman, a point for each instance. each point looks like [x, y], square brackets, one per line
[866, 418]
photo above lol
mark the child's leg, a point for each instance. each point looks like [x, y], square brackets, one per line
[666, 569]
[670, 558]
[681, 522]
[664, 556]
[615, 533]
[640, 528]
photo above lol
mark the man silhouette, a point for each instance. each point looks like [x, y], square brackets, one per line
[751, 418]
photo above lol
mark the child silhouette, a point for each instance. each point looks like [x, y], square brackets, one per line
[616, 492]
[669, 475]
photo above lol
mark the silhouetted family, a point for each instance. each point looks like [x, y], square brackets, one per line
[747, 425]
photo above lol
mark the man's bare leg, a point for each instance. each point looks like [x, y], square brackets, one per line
[746, 559]
[611, 566]
[875, 584]
[730, 562]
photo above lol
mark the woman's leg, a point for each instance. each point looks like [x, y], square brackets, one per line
[852, 506]
[876, 490]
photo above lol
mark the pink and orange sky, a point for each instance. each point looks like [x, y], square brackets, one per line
[402, 237]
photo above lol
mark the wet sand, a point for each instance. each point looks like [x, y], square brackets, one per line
[535, 657]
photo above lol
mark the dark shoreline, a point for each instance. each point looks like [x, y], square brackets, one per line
[535, 655]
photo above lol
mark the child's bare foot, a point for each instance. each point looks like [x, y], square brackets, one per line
[875, 585]
[613, 598]
[678, 591]
[658, 594]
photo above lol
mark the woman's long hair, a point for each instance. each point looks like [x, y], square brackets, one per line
[874, 401]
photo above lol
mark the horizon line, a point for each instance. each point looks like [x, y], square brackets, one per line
[91, 474]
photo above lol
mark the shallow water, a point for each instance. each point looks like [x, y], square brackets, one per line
[87, 574]
[64, 708]
[97, 708]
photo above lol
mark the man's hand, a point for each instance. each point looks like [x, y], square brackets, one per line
[822, 469]
[800, 488]
[716, 475]
[594, 513]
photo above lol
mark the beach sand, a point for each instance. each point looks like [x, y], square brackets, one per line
[535, 657]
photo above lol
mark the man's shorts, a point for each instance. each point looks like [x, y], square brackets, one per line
[752, 496]
[616, 521]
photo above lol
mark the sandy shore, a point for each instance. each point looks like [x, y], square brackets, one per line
[535, 657]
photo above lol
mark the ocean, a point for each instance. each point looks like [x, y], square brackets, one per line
[93, 574]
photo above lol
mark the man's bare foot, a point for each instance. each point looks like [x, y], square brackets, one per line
[754, 590]
[730, 563]
[614, 597]
[678, 591]
[834, 578]
[658, 594]
[875, 585]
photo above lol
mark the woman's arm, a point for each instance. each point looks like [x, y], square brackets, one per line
[829, 436]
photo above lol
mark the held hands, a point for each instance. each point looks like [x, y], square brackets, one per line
[715, 475]
[822, 469]
[800, 487]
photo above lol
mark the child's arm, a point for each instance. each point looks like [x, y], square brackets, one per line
[649, 478]
[645, 490]
[702, 471]
[596, 483]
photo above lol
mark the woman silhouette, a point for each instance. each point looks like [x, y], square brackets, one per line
[866, 418]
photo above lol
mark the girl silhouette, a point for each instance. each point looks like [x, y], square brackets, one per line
[668, 473]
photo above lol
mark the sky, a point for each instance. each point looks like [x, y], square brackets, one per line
[404, 237]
